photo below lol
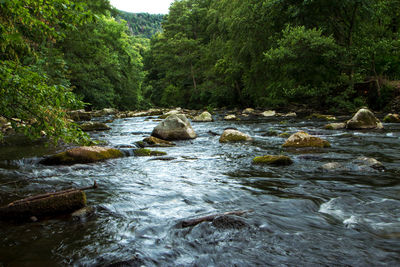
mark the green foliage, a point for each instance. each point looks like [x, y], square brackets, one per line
[303, 66]
[272, 52]
[50, 49]
[105, 64]
[142, 24]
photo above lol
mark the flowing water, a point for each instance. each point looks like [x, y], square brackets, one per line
[301, 216]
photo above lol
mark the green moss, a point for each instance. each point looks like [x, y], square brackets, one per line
[142, 152]
[284, 135]
[391, 118]
[273, 160]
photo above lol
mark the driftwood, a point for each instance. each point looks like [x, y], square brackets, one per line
[209, 218]
[47, 204]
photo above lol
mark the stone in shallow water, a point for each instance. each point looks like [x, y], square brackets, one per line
[83, 154]
[364, 119]
[203, 117]
[303, 139]
[230, 135]
[278, 160]
[175, 127]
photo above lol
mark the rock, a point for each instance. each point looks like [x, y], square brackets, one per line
[322, 117]
[80, 115]
[392, 118]
[82, 213]
[174, 127]
[231, 135]
[335, 126]
[268, 113]
[332, 166]
[108, 111]
[157, 142]
[364, 119]
[164, 158]
[172, 112]
[94, 126]
[284, 135]
[290, 114]
[230, 117]
[203, 117]
[303, 139]
[229, 222]
[83, 154]
[248, 111]
[369, 162]
[142, 152]
[279, 160]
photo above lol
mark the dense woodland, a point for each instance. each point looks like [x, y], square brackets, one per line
[58, 55]
[142, 24]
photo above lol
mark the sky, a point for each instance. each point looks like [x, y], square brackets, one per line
[138, 6]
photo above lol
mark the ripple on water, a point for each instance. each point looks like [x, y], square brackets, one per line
[300, 214]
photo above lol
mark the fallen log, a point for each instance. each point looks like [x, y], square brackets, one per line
[48, 204]
[209, 218]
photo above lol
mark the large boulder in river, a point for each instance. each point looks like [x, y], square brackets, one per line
[174, 127]
[303, 139]
[364, 119]
[203, 117]
[231, 135]
[83, 154]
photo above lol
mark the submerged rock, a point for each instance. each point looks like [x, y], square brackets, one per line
[333, 166]
[279, 160]
[369, 162]
[142, 152]
[364, 119]
[156, 142]
[229, 222]
[230, 135]
[83, 154]
[203, 117]
[303, 139]
[175, 127]
[94, 126]
[335, 126]
[82, 213]
[392, 118]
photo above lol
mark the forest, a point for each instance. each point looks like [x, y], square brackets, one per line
[59, 55]
[142, 24]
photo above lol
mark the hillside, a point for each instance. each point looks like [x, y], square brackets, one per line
[142, 24]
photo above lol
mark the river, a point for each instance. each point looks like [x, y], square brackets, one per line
[301, 216]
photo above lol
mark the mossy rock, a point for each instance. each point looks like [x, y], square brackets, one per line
[156, 142]
[84, 154]
[278, 160]
[322, 117]
[142, 152]
[49, 205]
[303, 139]
[392, 118]
[285, 135]
[230, 135]
[335, 126]
[364, 119]
[94, 126]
